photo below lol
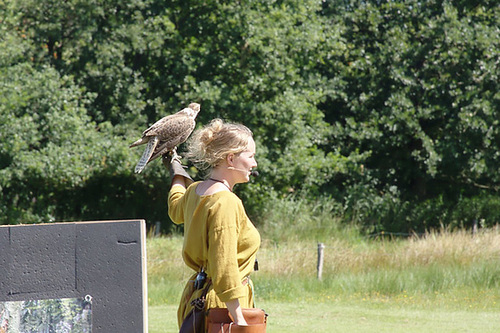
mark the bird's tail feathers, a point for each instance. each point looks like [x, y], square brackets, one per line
[141, 141]
[161, 150]
[150, 148]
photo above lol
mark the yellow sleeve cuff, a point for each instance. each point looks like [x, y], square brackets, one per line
[233, 293]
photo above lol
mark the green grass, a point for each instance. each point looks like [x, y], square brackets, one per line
[370, 316]
[355, 315]
[442, 282]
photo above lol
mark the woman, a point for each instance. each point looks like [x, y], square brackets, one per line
[218, 236]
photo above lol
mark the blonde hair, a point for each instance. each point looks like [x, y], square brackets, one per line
[210, 145]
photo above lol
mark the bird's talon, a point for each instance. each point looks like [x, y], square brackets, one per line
[174, 156]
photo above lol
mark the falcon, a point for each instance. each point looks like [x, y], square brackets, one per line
[166, 134]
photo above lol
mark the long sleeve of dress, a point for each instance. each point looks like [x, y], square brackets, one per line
[218, 236]
[223, 238]
[175, 204]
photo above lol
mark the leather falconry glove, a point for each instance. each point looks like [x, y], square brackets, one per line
[172, 162]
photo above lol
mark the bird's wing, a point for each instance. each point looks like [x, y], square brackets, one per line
[145, 158]
[164, 123]
[155, 129]
[177, 134]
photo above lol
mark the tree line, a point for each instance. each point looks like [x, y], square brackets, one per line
[389, 108]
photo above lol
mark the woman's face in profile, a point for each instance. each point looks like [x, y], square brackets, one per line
[245, 161]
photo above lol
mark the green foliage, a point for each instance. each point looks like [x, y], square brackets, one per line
[388, 109]
[48, 315]
[419, 94]
[418, 90]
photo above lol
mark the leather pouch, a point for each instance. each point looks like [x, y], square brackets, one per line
[219, 321]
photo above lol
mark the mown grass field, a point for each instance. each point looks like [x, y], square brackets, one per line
[439, 282]
[352, 316]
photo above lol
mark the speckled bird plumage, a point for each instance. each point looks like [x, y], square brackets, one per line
[166, 134]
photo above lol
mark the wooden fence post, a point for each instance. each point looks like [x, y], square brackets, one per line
[321, 247]
[157, 229]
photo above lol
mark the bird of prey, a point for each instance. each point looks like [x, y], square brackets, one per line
[166, 134]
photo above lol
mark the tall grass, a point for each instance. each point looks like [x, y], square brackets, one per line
[457, 268]
[167, 272]
[457, 265]
[294, 218]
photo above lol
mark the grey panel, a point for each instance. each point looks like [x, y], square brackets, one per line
[66, 260]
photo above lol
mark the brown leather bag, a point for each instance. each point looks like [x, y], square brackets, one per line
[219, 321]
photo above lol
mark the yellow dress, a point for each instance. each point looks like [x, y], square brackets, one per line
[218, 236]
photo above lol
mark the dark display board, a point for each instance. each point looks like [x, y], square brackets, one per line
[105, 260]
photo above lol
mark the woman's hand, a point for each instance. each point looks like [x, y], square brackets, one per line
[178, 175]
[235, 312]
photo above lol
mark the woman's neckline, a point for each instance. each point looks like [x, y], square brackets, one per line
[205, 194]
[220, 181]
